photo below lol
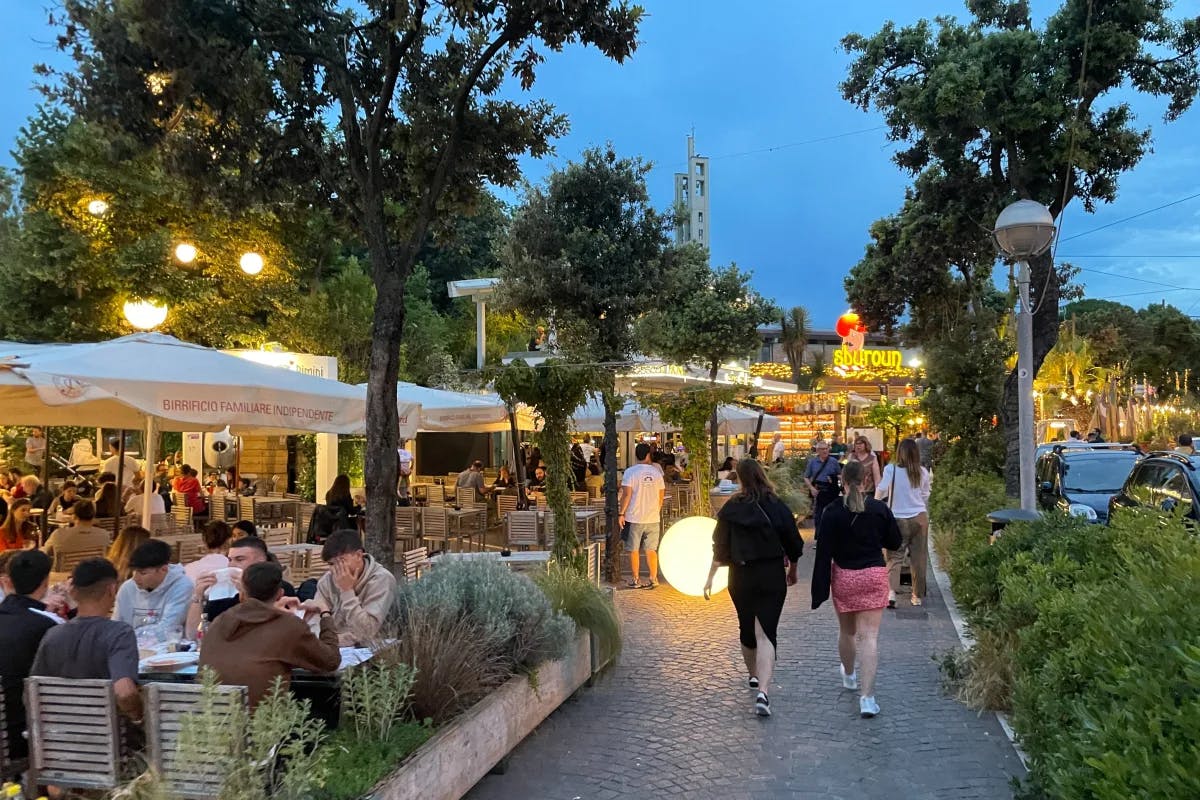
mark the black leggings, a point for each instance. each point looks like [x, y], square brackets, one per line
[758, 590]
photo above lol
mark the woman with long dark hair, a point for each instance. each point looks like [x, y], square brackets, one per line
[757, 538]
[905, 488]
[849, 564]
[339, 496]
[18, 531]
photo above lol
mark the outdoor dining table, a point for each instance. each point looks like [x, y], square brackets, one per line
[459, 516]
[585, 518]
[322, 690]
[522, 561]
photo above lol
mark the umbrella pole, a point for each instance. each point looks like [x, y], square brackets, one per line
[120, 485]
[757, 431]
[148, 481]
[518, 461]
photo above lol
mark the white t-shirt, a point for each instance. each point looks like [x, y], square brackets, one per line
[134, 504]
[645, 481]
[131, 468]
[777, 450]
[589, 450]
[908, 501]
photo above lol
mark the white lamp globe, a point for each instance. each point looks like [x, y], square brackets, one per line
[97, 208]
[145, 315]
[685, 554]
[251, 263]
[1024, 229]
[185, 252]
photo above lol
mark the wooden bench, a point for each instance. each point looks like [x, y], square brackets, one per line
[166, 706]
[75, 736]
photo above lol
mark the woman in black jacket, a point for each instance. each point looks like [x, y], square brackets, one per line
[756, 537]
[849, 563]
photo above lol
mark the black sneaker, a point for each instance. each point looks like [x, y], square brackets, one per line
[762, 705]
[753, 682]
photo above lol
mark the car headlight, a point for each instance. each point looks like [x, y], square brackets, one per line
[1082, 510]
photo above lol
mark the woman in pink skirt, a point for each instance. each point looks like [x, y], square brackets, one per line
[849, 562]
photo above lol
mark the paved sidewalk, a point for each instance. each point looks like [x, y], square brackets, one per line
[675, 718]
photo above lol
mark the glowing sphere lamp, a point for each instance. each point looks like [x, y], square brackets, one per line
[251, 263]
[145, 314]
[185, 252]
[685, 554]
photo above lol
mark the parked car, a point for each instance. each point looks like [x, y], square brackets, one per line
[1082, 480]
[1165, 481]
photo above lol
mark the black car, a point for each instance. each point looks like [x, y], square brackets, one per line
[1081, 480]
[1165, 481]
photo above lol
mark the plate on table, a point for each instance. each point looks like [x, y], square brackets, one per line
[171, 660]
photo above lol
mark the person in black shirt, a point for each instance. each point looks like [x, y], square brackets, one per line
[849, 564]
[756, 536]
[23, 622]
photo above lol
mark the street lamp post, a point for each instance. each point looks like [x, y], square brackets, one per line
[1023, 230]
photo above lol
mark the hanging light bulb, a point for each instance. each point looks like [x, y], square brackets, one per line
[97, 208]
[145, 315]
[185, 253]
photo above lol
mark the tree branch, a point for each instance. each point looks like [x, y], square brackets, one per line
[395, 56]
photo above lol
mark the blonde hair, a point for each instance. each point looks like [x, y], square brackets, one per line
[852, 475]
[123, 546]
[908, 456]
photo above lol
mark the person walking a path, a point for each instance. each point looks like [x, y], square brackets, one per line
[642, 493]
[849, 565]
[757, 538]
[905, 487]
[860, 450]
[821, 476]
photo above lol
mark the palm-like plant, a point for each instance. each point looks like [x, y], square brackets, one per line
[794, 336]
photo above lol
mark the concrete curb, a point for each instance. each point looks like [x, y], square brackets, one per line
[968, 641]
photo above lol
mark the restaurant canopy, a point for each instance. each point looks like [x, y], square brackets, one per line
[183, 387]
[445, 411]
[733, 420]
[631, 418]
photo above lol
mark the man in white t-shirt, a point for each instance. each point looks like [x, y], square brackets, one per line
[642, 491]
[404, 468]
[114, 460]
[588, 448]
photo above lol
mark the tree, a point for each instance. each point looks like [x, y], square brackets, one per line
[708, 317]
[388, 113]
[555, 389]
[794, 327]
[690, 410]
[994, 110]
[588, 251]
[889, 416]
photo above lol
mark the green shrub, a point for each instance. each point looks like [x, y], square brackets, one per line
[1107, 697]
[788, 478]
[584, 602]
[375, 698]
[959, 504]
[360, 765]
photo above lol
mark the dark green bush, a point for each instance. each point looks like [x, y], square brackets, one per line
[1107, 697]
[959, 505]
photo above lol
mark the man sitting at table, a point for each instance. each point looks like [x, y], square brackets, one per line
[472, 478]
[158, 592]
[356, 589]
[82, 535]
[38, 494]
[92, 645]
[538, 481]
[23, 622]
[261, 639]
[242, 554]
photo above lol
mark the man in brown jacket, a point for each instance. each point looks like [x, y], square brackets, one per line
[257, 641]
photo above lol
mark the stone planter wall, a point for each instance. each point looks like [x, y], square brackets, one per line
[450, 763]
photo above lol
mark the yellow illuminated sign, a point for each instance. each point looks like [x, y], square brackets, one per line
[845, 357]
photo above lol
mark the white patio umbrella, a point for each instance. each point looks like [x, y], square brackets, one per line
[157, 381]
[733, 420]
[443, 411]
[632, 417]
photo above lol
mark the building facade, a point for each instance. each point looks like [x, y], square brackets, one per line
[691, 200]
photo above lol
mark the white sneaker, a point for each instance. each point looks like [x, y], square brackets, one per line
[867, 707]
[891, 599]
[848, 681]
[762, 706]
[916, 601]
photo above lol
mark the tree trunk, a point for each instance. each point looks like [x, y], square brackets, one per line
[382, 418]
[1043, 294]
[611, 499]
[712, 431]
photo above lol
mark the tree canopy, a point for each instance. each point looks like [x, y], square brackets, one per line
[995, 109]
[388, 114]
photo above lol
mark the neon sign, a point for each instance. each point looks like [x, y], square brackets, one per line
[846, 357]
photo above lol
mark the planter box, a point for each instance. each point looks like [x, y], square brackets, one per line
[450, 763]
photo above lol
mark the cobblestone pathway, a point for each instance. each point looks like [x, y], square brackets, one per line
[675, 718]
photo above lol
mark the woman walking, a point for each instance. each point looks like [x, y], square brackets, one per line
[849, 563]
[905, 488]
[861, 451]
[757, 538]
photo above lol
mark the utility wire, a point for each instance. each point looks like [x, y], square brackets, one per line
[1134, 216]
[1131, 278]
[799, 144]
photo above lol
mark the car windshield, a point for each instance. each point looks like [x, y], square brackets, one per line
[1097, 473]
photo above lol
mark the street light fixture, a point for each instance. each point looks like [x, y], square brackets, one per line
[145, 315]
[251, 263]
[185, 253]
[97, 207]
[1023, 230]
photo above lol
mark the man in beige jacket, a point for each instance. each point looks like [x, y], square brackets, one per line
[357, 590]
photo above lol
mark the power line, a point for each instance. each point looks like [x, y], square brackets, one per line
[799, 144]
[1132, 278]
[1134, 216]
[1129, 255]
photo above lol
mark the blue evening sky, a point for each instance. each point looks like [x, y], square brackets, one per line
[759, 86]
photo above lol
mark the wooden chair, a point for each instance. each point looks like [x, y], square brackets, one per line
[67, 560]
[548, 532]
[579, 499]
[246, 508]
[521, 529]
[75, 736]
[191, 548]
[277, 535]
[408, 527]
[166, 706]
[436, 495]
[465, 496]
[435, 526]
[10, 767]
[162, 525]
[505, 505]
[412, 561]
[182, 514]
